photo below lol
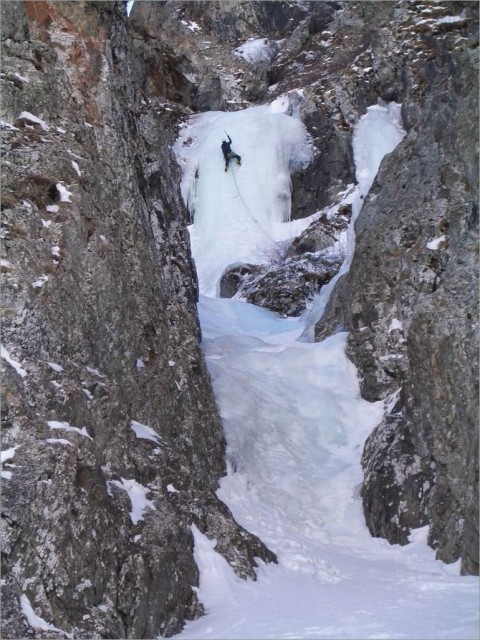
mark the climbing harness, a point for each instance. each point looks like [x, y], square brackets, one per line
[248, 209]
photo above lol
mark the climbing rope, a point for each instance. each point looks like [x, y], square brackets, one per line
[248, 209]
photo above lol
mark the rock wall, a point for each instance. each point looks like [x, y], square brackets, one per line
[100, 332]
[410, 300]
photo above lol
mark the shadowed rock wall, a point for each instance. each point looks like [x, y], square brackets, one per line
[412, 306]
[99, 298]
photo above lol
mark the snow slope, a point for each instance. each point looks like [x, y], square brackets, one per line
[294, 420]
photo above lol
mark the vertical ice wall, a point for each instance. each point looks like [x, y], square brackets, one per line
[238, 214]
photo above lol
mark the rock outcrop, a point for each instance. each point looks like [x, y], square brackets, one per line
[410, 300]
[293, 274]
[113, 443]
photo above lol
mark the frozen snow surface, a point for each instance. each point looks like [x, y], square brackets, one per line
[294, 420]
[65, 194]
[6, 356]
[65, 426]
[35, 621]
[56, 367]
[257, 50]
[143, 432]
[26, 115]
[436, 243]
[138, 497]
[6, 455]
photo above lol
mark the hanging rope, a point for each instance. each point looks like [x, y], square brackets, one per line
[249, 211]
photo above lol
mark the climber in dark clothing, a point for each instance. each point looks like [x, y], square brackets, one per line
[228, 154]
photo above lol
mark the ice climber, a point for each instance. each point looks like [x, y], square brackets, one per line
[228, 154]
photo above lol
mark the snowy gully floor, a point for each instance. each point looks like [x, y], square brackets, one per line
[293, 416]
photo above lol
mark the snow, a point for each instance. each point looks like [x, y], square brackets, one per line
[394, 325]
[282, 604]
[35, 621]
[192, 26]
[294, 420]
[6, 356]
[84, 584]
[20, 77]
[52, 208]
[436, 243]
[452, 19]
[138, 497]
[8, 126]
[144, 433]
[171, 488]
[65, 194]
[95, 372]
[5, 455]
[55, 424]
[56, 367]
[55, 251]
[87, 393]
[140, 364]
[38, 284]
[5, 263]
[392, 400]
[26, 115]
[256, 50]
[46, 223]
[58, 441]
[76, 167]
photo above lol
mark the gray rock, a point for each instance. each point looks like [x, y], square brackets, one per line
[100, 298]
[233, 278]
[294, 273]
[426, 189]
[321, 234]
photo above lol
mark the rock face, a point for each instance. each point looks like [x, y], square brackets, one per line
[410, 299]
[100, 336]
